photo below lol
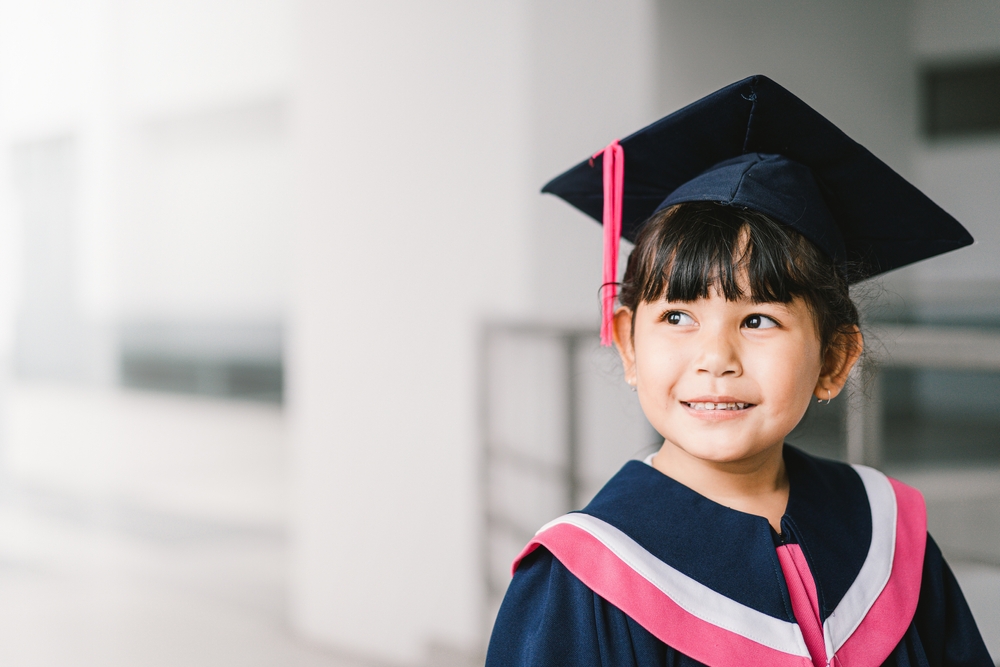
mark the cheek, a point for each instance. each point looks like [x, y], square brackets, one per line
[659, 364]
[791, 373]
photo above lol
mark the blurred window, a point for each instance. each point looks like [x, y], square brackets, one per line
[240, 360]
[961, 99]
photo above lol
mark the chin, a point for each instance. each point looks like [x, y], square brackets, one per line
[719, 452]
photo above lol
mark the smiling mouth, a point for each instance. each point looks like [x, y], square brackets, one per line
[701, 405]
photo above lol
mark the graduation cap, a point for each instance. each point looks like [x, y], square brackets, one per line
[755, 145]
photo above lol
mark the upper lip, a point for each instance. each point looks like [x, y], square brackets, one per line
[714, 399]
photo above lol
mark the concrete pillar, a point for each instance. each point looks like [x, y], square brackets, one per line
[423, 132]
[406, 128]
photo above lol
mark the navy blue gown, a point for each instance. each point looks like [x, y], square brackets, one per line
[693, 579]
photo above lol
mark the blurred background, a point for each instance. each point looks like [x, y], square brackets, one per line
[294, 357]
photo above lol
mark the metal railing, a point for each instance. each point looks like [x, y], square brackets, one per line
[925, 347]
[565, 476]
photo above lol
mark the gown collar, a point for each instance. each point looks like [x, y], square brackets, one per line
[706, 579]
[828, 515]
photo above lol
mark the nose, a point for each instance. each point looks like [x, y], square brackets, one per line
[719, 356]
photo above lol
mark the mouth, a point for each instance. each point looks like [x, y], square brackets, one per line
[732, 406]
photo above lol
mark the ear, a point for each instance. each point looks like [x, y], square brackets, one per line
[622, 334]
[840, 358]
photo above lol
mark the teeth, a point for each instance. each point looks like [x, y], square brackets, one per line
[718, 406]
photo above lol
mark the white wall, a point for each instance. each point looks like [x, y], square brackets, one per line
[590, 81]
[188, 55]
[423, 133]
[206, 196]
[206, 214]
[955, 28]
[407, 135]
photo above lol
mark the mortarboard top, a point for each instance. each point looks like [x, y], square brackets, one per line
[753, 144]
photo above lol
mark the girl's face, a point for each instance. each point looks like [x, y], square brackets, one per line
[724, 380]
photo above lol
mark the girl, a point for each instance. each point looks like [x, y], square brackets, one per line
[751, 214]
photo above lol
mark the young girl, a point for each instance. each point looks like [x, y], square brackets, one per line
[751, 214]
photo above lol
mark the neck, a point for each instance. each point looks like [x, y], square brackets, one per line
[756, 485]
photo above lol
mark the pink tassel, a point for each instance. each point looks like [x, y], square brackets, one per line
[614, 183]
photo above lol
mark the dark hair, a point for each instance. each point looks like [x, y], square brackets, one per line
[684, 251]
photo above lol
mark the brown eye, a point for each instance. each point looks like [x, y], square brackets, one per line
[678, 318]
[759, 322]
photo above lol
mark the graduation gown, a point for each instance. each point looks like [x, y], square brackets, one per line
[651, 573]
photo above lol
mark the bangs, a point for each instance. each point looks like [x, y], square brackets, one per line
[738, 253]
[692, 250]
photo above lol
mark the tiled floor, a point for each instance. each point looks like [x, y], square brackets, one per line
[143, 530]
[91, 588]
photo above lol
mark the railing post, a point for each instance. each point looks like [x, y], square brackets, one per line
[864, 416]
[570, 346]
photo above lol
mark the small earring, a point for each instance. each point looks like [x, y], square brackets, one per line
[829, 397]
[632, 385]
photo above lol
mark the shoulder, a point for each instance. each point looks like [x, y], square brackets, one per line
[549, 617]
[945, 629]
[846, 484]
[539, 619]
[542, 585]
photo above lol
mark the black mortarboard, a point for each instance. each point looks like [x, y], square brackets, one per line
[753, 144]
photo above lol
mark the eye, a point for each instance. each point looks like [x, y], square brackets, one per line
[758, 321]
[678, 318]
